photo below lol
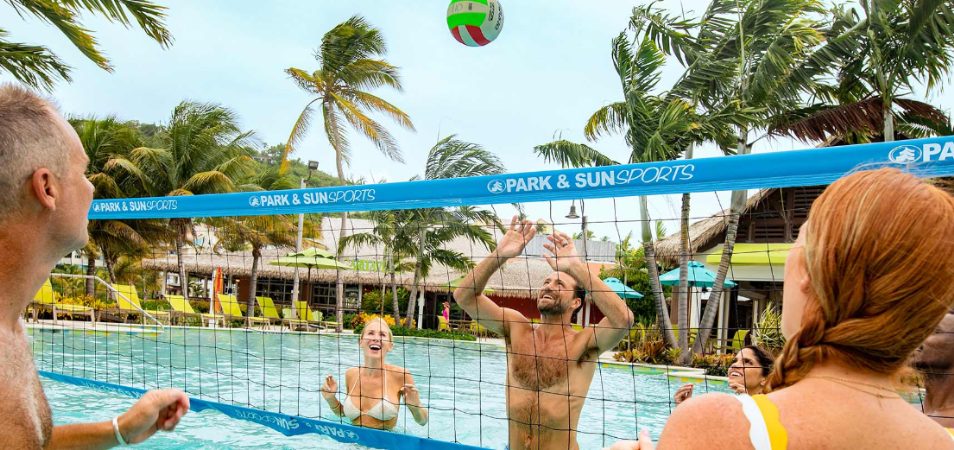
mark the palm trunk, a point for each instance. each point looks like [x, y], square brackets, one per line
[888, 122]
[412, 302]
[183, 277]
[715, 297]
[90, 273]
[683, 295]
[394, 295]
[339, 283]
[253, 281]
[109, 268]
[662, 313]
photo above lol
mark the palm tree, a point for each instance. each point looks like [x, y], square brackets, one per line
[432, 228]
[108, 143]
[258, 232]
[750, 60]
[657, 127]
[37, 66]
[203, 152]
[394, 245]
[350, 63]
[897, 44]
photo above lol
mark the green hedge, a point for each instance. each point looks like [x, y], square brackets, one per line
[414, 332]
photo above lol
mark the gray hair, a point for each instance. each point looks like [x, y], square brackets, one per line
[30, 138]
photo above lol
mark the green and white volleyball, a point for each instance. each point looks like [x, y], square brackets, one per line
[475, 23]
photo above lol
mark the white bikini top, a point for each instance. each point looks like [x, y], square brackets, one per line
[384, 410]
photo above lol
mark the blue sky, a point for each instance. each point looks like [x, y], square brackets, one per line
[545, 74]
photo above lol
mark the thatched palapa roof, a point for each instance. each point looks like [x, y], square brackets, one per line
[703, 232]
[520, 277]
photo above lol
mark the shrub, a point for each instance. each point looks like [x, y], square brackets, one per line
[717, 365]
[83, 300]
[156, 305]
[768, 331]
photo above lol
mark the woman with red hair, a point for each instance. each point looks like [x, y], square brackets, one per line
[869, 278]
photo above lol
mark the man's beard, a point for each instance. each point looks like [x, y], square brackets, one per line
[555, 308]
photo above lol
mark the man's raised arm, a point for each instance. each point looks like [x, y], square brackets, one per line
[469, 293]
[618, 319]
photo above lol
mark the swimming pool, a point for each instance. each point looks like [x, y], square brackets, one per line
[461, 382]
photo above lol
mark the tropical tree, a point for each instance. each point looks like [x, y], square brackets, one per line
[657, 127]
[750, 60]
[431, 229]
[108, 144]
[386, 234]
[898, 45]
[37, 66]
[258, 232]
[351, 63]
[203, 152]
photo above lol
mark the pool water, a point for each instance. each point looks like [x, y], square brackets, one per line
[461, 383]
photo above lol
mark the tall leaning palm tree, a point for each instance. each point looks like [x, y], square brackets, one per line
[203, 152]
[752, 59]
[351, 64]
[656, 127]
[431, 229]
[37, 66]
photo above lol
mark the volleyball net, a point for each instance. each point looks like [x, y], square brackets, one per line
[247, 301]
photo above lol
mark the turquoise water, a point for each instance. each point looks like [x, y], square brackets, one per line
[461, 382]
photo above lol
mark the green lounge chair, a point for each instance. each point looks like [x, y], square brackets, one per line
[312, 317]
[293, 322]
[45, 299]
[182, 308]
[232, 310]
[127, 302]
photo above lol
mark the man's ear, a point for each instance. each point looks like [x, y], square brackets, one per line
[44, 188]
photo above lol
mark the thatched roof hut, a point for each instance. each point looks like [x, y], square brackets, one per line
[520, 277]
[704, 233]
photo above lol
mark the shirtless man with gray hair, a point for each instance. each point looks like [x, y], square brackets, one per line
[47, 199]
[549, 365]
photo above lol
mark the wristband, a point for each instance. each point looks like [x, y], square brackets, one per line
[119, 436]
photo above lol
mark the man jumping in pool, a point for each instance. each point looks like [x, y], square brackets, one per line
[549, 365]
[43, 217]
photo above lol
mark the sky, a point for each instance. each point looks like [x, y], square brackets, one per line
[546, 73]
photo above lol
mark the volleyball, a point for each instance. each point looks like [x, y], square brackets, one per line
[475, 23]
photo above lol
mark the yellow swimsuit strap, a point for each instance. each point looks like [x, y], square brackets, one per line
[778, 436]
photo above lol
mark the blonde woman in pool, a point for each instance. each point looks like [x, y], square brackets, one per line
[374, 389]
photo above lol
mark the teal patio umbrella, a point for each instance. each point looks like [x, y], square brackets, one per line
[622, 290]
[699, 276]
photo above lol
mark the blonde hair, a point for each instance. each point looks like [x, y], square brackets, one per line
[384, 326]
[879, 248]
[30, 138]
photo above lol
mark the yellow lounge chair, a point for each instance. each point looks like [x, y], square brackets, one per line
[232, 310]
[738, 340]
[181, 308]
[442, 324]
[127, 302]
[45, 298]
[267, 306]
